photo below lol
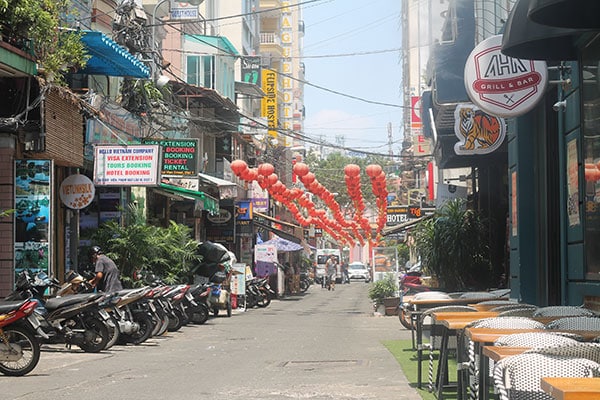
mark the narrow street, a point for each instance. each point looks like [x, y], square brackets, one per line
[321, 345]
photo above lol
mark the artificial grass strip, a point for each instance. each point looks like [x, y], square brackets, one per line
[407, 358]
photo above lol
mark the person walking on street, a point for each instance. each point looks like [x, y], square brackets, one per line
[331, 271]
[107, 274]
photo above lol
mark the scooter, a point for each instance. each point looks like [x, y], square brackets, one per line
[19, 347]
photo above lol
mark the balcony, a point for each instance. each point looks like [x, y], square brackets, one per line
[270, 42]
[15, 61]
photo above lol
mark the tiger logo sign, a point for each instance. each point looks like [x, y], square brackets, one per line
[477, 131]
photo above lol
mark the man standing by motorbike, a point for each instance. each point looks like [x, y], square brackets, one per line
[107, 273]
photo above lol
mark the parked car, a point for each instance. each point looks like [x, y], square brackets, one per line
[358, 270]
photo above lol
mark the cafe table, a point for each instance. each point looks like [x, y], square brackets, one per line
[572, 388]
[453, 323]
[487, 336]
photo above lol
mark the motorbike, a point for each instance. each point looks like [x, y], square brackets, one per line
[73, 320]
[305, 281]
[195, 303]
[258, 293]
[19, 346]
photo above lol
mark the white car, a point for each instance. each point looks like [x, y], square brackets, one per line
[358, 270]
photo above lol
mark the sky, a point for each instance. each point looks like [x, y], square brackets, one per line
[342, 27]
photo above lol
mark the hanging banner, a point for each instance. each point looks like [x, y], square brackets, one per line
[33, 202]
[265, 257]
[178, 157]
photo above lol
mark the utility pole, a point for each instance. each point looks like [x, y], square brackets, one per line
[390, 137]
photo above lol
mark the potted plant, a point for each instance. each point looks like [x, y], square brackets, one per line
[384, 292]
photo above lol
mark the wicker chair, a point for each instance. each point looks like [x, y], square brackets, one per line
[537, 339]
[563, 311]
[511, 306]
[519, 376]
[590, 351]
[518, 312]
[497, 322]
[477, 295]
[583, 323]
[435, 330]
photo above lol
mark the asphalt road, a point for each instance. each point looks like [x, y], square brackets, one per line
[318, 346]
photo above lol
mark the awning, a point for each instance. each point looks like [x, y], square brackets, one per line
[284, 245]
[278, 232]
[577, 14]
[207, 202]
[527, 40]
[227, 189]
[249, 89]
[269, 218]
[388, 230]
[109, 58]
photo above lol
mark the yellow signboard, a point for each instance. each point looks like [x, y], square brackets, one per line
[269, 102]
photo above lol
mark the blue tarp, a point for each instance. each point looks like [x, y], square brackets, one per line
[109, 58]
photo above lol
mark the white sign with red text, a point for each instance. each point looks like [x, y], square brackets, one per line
[501, 85]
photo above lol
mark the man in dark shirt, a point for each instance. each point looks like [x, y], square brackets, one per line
[107, 273]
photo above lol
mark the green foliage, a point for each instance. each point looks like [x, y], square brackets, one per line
[6, 213]
[453, 246]
[35, 25]
[166, 252]
[383, 288]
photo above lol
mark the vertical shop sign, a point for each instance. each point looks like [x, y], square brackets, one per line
[513, 202]
[269, 102]
[33, 202]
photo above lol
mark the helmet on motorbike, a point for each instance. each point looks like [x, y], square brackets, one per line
[95, 250]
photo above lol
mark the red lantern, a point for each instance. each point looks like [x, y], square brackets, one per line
[352, 170]
[237, 166]
[301, 169]
[271, 179]
[373, 170]
[308, 178]
[266, 169]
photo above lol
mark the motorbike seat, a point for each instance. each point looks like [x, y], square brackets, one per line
[8, 306]
[58, 302]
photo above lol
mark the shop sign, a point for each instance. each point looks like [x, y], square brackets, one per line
[396, 215]
[222, 217]
[179, 157]
[501, 85]
[77, 191]
[134, 165]
[477, 131]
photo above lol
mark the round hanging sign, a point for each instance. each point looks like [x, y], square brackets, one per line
[501, 85]
[77, 191]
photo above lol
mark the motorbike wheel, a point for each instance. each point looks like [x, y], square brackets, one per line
[251, 301]
[303, 285]
[146, 324]
[199, 314]
[95, 335]
[404, 318]
[113, 332]
[176, 322]
[24, 343]
[264, 300]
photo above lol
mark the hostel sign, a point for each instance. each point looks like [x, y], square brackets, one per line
[269, 103]
[179, 157]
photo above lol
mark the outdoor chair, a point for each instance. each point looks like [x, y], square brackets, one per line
[499, 323]
[588, 350]
[501, 293]
[582, 323]
[414, 314]
[477, 295]
[519, 376]
[537, 339]
[518, 312]
[435, 330]
[510, 306]
[562, 311]
[491, 304]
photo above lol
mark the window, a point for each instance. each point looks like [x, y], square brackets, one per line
[591, 154]
[200, 71]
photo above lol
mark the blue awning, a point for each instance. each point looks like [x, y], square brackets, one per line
[109, 58]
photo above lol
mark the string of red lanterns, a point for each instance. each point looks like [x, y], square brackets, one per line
[338, 227]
